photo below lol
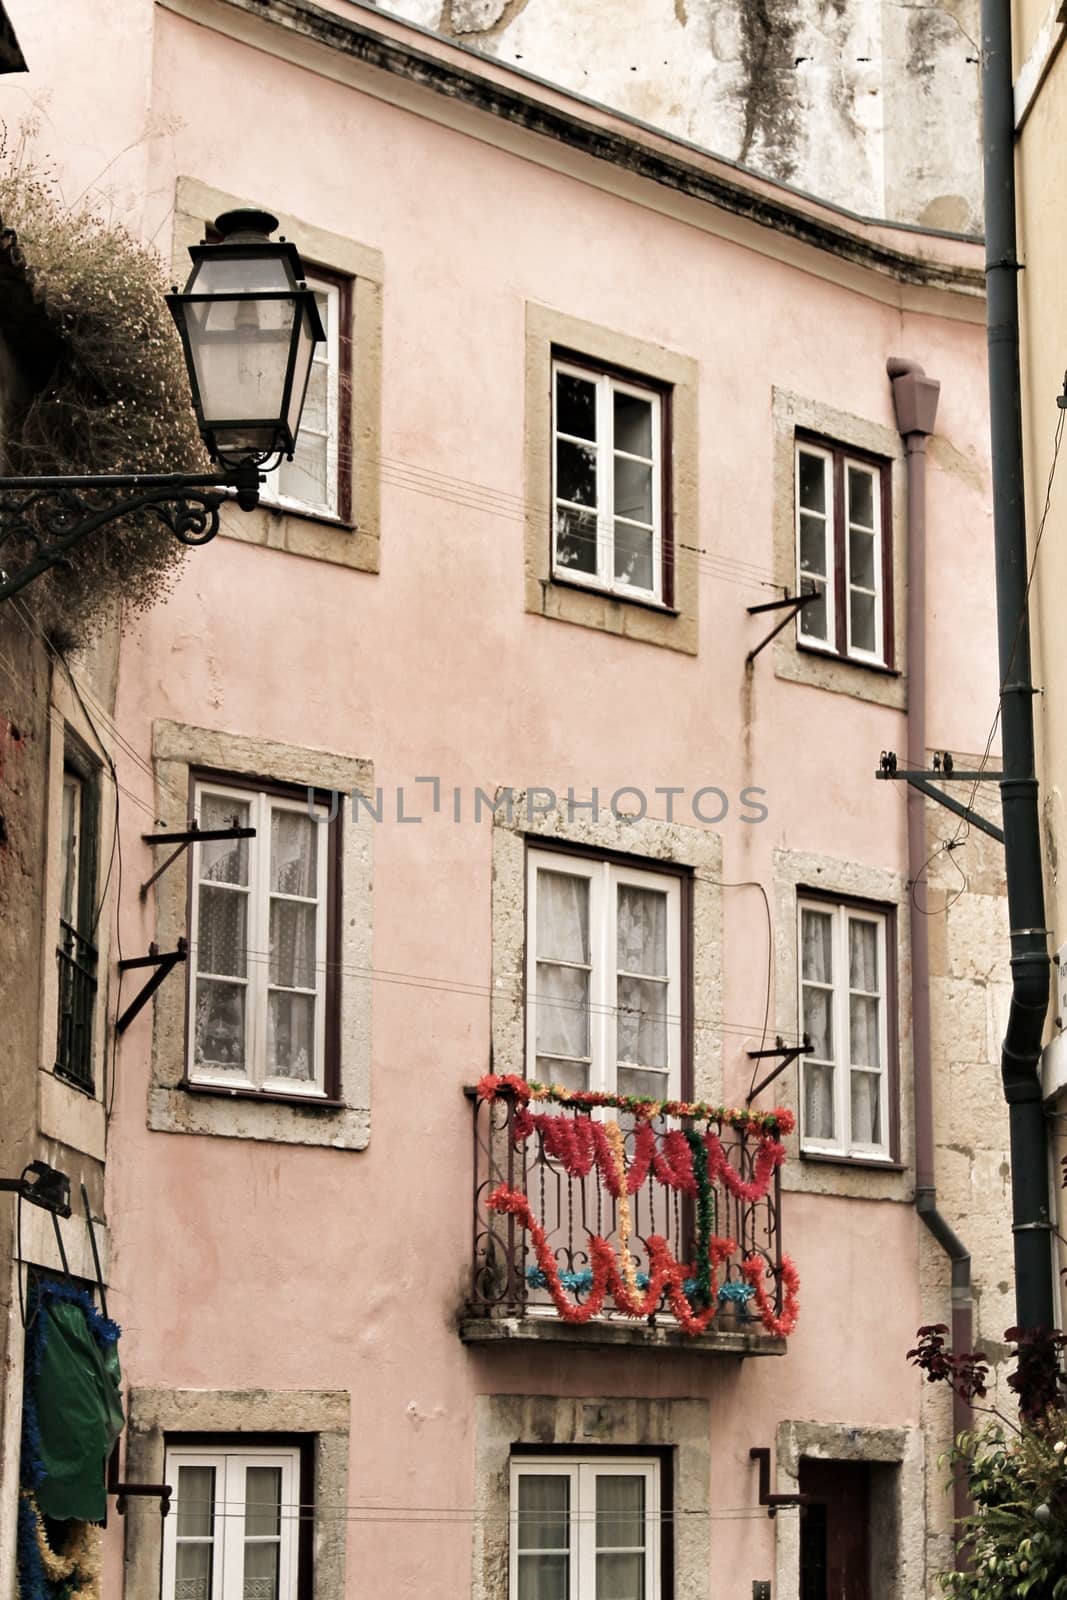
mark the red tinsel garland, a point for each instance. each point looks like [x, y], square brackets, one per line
[665, 1272]
[779, 1121]
[754, 1269]
[578, 1144]
[770, 1156]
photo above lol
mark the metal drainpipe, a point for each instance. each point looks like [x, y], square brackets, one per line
[1021, 1053]
[915, 399]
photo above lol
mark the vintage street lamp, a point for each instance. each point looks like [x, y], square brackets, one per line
[42, 1186]
[249, 326]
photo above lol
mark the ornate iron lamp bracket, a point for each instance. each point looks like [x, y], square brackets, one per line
[43, 519]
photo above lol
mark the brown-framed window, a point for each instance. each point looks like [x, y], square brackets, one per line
[76, 952]
[263, 990]
[844, 522]
[607, 972]
[318, 480]
[846, 979]
[611, 521]
[236, 1527]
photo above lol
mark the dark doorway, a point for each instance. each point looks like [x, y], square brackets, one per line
[835, 1543]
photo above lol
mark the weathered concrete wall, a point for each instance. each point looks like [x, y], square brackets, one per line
[871, 104]
[969, 990]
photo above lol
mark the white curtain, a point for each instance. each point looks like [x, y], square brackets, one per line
[562, 991]
[866, 1108]
[818, 1102]
[641, 948]
[544, 1528]
[816, 950]
[293, 944]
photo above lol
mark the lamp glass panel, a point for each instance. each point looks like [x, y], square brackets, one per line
[305, 349]
[240, 354]
[254, 273]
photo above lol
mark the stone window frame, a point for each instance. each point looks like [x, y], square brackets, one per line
[155, 1414]
[644, 840]
[173, 1105]
[794, 416]
[796, 872]
[899, 1447]
[582, 1425]
[68, 1113]
[348, 542]
[551, 333]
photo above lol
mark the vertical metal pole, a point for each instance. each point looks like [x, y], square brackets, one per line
[1022, 846]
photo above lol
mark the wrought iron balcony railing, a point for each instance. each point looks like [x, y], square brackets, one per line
[76, 958]
[610, 1209]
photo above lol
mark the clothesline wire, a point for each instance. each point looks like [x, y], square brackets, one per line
[317, 1511]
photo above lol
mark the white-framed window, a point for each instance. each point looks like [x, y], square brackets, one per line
[604, 993]
[841, 539]
[844, 1011]
[607, 482]
[257, 957]
[232, 1531]
[313, 481]
[584, 1528]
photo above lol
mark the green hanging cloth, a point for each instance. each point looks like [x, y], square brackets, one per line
[79, 1411]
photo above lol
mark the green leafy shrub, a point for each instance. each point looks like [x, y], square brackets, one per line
[1014, 1543]
[1016, 1538]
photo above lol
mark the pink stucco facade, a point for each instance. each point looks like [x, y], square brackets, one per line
[242, 1261]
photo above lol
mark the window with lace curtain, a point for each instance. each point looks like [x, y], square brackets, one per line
[604, 993]
[585, 1529]
[233, 1528]
[260, 999]
[845, 1010]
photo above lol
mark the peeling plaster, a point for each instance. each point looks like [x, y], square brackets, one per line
[871, 104]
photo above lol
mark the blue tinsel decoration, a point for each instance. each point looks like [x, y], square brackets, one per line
[738, 1294]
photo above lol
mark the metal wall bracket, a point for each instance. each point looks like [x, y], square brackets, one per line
[794, 602]
[124, 1491]
[163, 964]
[944, 770]
[773, 1502]
[789, 1054]
[191, 835]
[43, 519]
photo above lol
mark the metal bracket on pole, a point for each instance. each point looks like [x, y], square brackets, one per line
[163, 964]
[795, 603]
[773, 1502]
[944, 770]
[789, 1054]
[192, 835]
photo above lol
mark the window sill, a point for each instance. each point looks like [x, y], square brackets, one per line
[224, 1091]
[645, 602]
[839, 659]
[329, 519]
[88, 1090]
[869, 1163]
